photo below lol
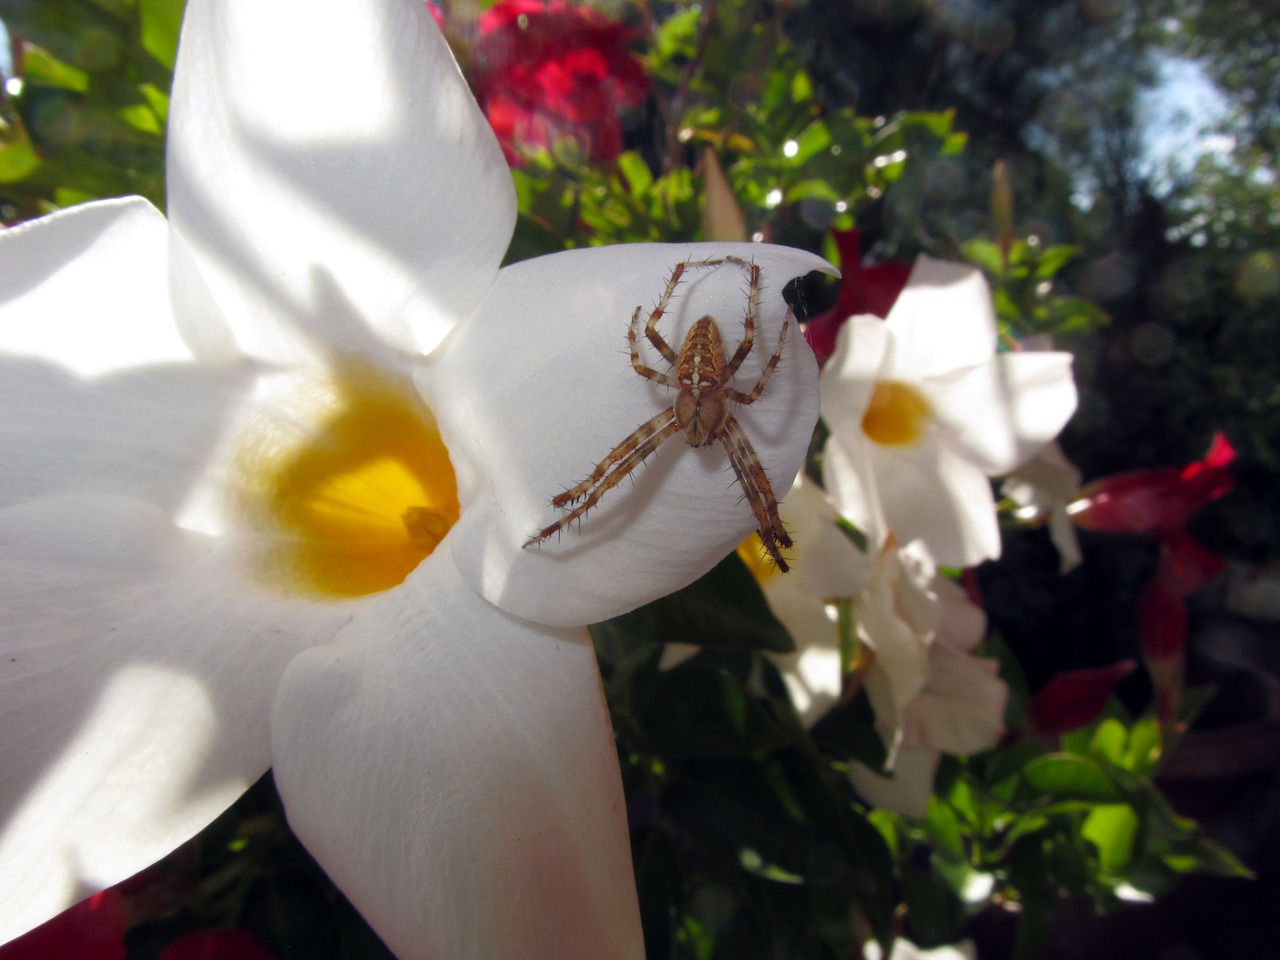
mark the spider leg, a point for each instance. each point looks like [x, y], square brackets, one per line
[748, 323]
[651, 328]
[638, 365]
[757, 490]
[744, 398]
[622, 459]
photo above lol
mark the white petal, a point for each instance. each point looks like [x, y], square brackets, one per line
[1003, 412]
[136, 675]
[330, 169]
[87, 289]
[453, 770]
[826, 564]
[538, 387]
[900, 669]
[864, 352]
[962, 624]
[961, 710]
[943, 320]
[848, 473]
[933, 494]
[907, 791]
[147, 433]
[812, 673]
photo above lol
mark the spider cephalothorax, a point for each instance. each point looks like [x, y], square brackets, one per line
[701, 376]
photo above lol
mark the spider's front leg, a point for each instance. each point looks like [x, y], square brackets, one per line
[757, 489]
[622, 459]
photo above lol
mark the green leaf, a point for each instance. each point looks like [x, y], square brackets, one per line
[1111, 828]
[42, 68]
[1062, 776]
[985, 255]
[161, 20]
[637, 173]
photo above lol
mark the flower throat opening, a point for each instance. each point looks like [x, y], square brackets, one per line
[898, 414]
[354, 500]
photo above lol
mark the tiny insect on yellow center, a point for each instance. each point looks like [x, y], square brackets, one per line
[898, 414]
[350, 489]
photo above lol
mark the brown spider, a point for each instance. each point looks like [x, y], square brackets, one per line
[700, 410]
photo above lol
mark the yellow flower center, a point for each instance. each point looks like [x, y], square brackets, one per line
[352, 502]
[898, 414]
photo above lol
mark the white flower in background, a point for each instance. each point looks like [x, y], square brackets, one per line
[1042, 487]
[245, 520]
[958, 709]
[923, 411]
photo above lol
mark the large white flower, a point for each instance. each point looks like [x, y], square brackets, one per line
[246, 520]
[923, 411]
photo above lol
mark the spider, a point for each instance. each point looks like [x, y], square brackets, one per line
[700, 376]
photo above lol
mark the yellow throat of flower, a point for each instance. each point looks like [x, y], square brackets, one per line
[898, 414]
[352, 501]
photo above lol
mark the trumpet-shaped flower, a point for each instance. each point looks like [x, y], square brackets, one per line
[923, 411]
[254, 513]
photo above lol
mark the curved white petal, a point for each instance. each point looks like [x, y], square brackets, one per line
[961, 709]
[1003, 412]
[900, 669]
[962, 624]
[942, 320]
[864, 352]
[138, 666]
[907, 791]
[452, 768]
[331, 173]
[147, 433]
[86, 289]
[849, 475]
[536, 389]
[934, 494]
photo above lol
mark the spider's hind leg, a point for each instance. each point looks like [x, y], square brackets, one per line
[757, 490]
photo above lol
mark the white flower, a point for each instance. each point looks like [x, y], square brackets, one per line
[922, 411]
[958, 708]
[226, 465]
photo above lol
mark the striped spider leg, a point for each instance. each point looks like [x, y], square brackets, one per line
[700, 374]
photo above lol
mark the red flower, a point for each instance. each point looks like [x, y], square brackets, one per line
[553, 71]
[1160, 502]
[1074, 697]
[863, 290]
[91, 930]
[1156, 501]
[228, 944]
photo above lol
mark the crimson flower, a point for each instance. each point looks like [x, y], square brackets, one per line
[546, 72]
[1160, 502]
[1074, 698]
[863, 290]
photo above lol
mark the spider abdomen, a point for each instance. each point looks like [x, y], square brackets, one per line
[701, 418]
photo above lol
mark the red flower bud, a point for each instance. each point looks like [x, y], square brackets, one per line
[1075, 697]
